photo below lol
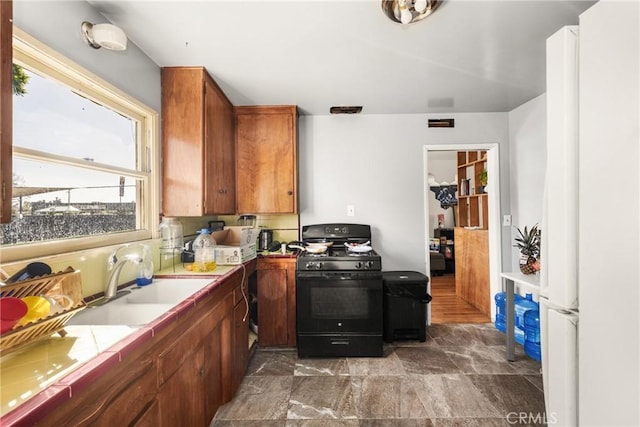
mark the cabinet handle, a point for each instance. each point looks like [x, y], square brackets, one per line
[221, 191]
[290, 193]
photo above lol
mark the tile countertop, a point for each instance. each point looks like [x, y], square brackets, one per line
[46, 372]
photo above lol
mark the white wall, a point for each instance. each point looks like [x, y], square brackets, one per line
[376, 163]
[57, 24]
[609, 192]
[443, 167]
[527, 156]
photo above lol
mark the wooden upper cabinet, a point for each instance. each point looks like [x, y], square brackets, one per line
[267, 159]
[6, 116]
[198, 137]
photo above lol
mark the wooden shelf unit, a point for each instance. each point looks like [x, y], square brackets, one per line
[472, 202]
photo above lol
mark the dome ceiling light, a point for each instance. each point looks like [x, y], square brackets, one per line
[408, 11]
[107, 36]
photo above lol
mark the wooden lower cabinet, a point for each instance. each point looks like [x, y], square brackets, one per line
[212, 372]
[124, 396]
[277, 302]
[181, 396]
[149, 417]
[179, 377]
[240, 344]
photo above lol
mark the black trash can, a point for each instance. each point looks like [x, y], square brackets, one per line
[405, 305]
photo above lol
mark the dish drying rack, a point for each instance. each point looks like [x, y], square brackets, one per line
[66, 282]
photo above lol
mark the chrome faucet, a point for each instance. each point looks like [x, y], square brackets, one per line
[114, 267]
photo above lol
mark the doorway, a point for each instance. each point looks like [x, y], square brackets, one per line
[447, 305]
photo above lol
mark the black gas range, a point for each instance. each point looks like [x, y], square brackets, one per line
[339, 259]
[350, 248]
[339, 293]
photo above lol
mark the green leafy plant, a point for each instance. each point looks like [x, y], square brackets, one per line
[529, 245]
[20, 80]
[482, 177]
[529, 241]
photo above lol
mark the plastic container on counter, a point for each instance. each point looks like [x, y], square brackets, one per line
[144, 274]
[172, 235]
[204, 248]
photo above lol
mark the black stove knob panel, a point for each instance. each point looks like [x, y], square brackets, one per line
[358, 265]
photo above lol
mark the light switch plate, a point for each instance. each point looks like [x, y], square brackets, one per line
[351, 210]
[506, 220]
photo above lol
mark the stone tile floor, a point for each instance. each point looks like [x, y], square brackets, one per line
[458, 377]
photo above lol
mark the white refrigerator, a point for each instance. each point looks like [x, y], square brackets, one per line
[589, 290]
[559, 309]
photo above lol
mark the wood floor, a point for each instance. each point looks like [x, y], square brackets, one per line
[446, 307]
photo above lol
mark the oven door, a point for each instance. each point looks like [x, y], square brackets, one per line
[340, 302]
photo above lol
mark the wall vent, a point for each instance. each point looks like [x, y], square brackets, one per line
[346, 109]
[441, 123]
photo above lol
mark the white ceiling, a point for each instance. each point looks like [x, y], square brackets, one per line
[469, 56]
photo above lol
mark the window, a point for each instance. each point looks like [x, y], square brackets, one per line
[84, 158]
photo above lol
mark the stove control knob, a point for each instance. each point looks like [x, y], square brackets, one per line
[358, 264]
[309, 265]
[319, 266]
[369, 264]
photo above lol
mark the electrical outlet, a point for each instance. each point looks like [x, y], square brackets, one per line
[351, 210]
[506, 220]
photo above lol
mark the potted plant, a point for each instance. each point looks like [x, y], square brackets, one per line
[528, 242]
[482, 177]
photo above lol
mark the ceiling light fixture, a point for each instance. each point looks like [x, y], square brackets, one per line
[408, 11]
[107, 36]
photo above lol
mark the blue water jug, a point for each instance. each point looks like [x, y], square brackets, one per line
[532, 334]
[501, 310]
[521, 306]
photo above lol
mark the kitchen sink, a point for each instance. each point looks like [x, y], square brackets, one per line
[120, 314]
[140, 305]
[164, 291]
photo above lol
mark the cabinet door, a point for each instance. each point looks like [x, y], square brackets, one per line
[182, 141]
[123, 397]
[212, 373]
[291, 302]
[266, 147]
[272, 307]
[150, 417]
[217, 355]
[198, 144]
[219, 151]
[240, 343]
[181, 396]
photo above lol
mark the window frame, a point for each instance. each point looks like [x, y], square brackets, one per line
[35, 55]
